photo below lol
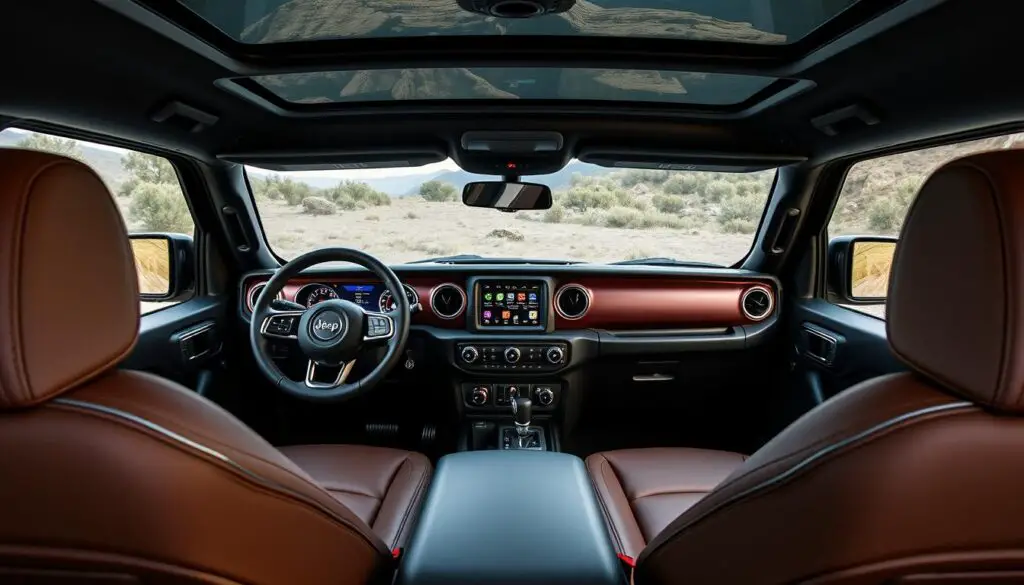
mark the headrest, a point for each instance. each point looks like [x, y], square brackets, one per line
[69, 303]
[956, 297]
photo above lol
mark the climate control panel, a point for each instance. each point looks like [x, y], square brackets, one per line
[487, 395]
[542, 357]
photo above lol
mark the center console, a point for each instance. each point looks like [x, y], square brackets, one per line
[517, 517]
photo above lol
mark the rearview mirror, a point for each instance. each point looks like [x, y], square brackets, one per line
[164, 265]
[859, 268]
[507, 196]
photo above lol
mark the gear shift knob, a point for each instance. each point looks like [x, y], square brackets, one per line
[522, 408]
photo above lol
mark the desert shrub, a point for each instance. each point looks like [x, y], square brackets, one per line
[504, 234]
[684, 184]
[628, 199]
[411, 215]
[318, 206]
[372, 217]
[669, 203]
[554, 215]
[747, 188]
[740, 214]
[343, 201]
[738, 226]
[583, 199]
[160, 208]
[885, 215]
[55, 144]
[358, 193]
[592, 217]
[622, 217]
[719, 190]
[437, 191]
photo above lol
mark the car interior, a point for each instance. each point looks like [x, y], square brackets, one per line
[432, 292]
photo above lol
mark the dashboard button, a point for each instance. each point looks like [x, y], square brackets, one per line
[469, 354]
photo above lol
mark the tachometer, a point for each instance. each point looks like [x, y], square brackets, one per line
[387, 302]
[316, 293]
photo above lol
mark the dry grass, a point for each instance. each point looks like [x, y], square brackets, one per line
[413, 229]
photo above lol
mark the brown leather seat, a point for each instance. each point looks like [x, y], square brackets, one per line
[642, 490]
[112, 475]
[907, 478]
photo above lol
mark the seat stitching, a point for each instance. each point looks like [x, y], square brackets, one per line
[604, 509]
[138, 423]
[412, 504]
[806, 463]
[606, 466]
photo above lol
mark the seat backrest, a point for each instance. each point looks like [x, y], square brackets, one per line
[909, 478]
[113, 476]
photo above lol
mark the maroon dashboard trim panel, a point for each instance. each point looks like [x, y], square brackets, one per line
[616, 303]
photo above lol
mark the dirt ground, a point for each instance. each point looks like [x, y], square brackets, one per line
[414, 229]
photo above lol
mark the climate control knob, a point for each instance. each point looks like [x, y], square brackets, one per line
[512, 355]
[470, 354]
[554, 355]
[545, 396]
[478, 396]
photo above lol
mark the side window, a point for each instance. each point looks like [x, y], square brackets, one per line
[147, 192]
[870, 211]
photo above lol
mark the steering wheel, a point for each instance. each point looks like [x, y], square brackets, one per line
[330, 333]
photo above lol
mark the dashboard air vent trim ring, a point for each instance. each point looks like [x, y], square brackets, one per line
[767, 293]
[587, 295]
[250, 297]
[433, 306]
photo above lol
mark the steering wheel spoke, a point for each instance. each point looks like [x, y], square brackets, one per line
[380, 327]
[344, 369]
[281, 324]
[330, 334]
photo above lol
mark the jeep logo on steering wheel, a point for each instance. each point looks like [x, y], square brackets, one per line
[327, 325]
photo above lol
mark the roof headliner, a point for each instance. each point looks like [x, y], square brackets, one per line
[133, 69]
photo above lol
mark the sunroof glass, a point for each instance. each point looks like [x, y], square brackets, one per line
[546, 83]
[738, 21]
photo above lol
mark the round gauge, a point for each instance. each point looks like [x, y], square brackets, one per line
[387, 302]
[317, 293]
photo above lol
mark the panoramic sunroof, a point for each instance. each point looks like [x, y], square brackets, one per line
[545, 83]
[771, 22]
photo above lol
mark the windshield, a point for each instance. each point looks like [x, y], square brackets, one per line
[599, 214]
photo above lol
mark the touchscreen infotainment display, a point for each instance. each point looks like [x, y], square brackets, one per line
[510, 303]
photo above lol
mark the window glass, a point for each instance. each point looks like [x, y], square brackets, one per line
[146, 190]
[877, 195]
[599, 214]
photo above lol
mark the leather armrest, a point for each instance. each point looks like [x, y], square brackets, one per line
[510, 517]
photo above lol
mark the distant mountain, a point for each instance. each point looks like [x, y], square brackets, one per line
[404, 185]
[106, 162]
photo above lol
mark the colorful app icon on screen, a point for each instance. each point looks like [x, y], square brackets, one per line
[487, 314]
[500, 297]
[533, 314]
[521, 297]
[488, 296]
[533, 296]
[506, 315]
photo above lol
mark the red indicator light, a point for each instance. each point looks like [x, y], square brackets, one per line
[510, 165]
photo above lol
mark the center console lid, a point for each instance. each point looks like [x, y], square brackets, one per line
[510, 517]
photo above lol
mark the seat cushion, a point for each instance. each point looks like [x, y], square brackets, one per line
[384, 487]
[642, 490]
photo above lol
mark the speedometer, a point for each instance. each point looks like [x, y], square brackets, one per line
[317, 293]
[387, 302]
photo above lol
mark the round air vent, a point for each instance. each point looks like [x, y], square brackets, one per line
[447, 301]
[254, 293]
[757, 303]
[572, 301]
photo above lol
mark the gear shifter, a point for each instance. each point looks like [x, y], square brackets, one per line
[522, 409]
[524, 436]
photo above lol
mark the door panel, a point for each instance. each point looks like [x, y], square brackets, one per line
[837, 347]
[183, 343]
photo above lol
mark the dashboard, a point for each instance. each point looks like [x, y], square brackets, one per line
[522, 300]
